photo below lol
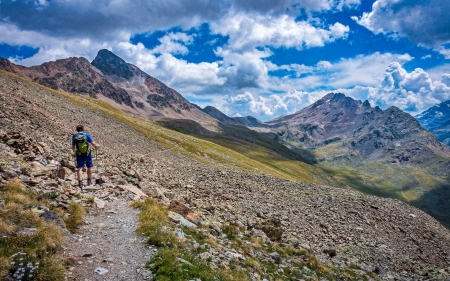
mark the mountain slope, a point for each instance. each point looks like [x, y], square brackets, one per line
[437, 120]
[368, 234]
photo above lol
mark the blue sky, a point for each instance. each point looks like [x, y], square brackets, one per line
[263, 58]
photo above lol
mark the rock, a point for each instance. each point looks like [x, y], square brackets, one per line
[276, 257]
[133, 189]
[40, 210]
[70, 164]
[99, 203]
[179, 232]
[180, 219]
[331, 252]
[178, 207]
[9, 174]
[195, 218]
[63, 172]
[147, 274]
[100, 270]
[151, 189]
[28, 231]
[272, 228]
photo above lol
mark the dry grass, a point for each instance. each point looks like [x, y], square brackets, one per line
[77, 213]
[153, 219]
[40, 248]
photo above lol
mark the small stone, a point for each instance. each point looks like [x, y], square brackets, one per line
[100, 270]
[181, 220]
[276, 257]
[331, 252]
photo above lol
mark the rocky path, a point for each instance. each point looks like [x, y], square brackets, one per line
[107, 247]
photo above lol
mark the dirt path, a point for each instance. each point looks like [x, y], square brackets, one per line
[108, 242]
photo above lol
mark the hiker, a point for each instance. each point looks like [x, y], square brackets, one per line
[81, 147]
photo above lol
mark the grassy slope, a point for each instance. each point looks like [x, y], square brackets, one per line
[210, 150]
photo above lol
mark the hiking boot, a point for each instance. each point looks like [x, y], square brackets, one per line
[89, 182]
[80, 184]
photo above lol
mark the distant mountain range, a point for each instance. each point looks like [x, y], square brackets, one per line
[382, 152]
[437, 120]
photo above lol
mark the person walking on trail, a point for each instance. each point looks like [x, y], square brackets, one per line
[81, 147]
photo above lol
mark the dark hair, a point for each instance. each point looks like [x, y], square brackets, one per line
[80, 128]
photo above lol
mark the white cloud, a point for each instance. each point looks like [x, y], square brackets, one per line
[267, 107]
[179, 74]
[247, 32]
[413, 91]
[424, 22]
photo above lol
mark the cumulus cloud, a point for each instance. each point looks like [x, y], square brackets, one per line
[186, 77]
[104, 18]
[412, 91]
[246, 32]
[360, 70]
[424, 22]
[267, 107]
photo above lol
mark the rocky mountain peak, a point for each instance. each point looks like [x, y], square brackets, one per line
[112, 65]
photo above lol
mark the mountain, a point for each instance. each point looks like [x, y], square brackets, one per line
[110, 78]
[437, 120]
[381, 152]
[148, 92]
[247, 121]
[374, 134]
[72, 75]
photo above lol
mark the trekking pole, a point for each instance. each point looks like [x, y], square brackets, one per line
[96, 159]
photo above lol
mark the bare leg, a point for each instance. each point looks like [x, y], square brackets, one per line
[89, 172]
[80, 174]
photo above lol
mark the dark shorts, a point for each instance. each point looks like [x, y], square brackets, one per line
[84, 159]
